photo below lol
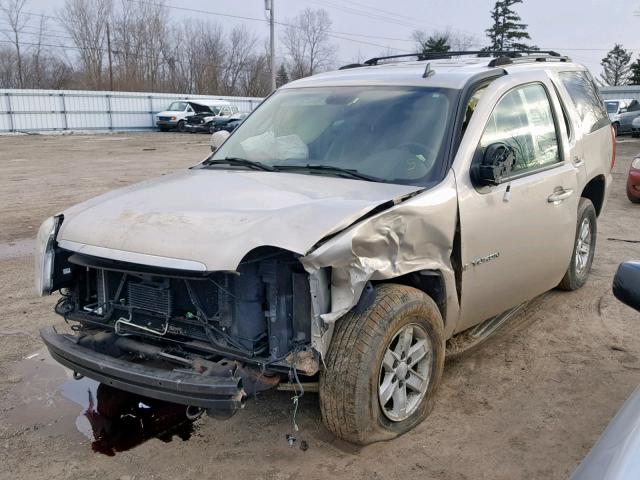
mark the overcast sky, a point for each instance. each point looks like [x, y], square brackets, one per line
[583, 29]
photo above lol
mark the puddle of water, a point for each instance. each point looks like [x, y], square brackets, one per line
[19, 248]
[47, 398]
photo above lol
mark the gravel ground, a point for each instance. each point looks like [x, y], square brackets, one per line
[528, 403]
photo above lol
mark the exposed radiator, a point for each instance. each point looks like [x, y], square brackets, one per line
[150, 297]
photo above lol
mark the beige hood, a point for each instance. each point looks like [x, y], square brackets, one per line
[211, 218]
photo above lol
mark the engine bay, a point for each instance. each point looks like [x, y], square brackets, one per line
[259, 314]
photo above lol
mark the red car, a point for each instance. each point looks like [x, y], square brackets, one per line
[633, 182]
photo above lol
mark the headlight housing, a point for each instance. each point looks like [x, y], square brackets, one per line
[636, 163]
[44, 255]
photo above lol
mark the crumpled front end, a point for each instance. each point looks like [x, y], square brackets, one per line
[411, 236]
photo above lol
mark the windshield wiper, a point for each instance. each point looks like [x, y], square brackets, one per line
[240, 162]
[348, 172]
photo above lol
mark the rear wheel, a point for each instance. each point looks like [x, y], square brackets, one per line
[583, 248]
[383, 367]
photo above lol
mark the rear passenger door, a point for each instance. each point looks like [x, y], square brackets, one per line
[592, 120]
[516, 237]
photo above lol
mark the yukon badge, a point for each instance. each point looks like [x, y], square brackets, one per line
[480, 260]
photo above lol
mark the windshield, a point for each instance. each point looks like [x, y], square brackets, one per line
[394, 134]
[177, 107]
[612, 107]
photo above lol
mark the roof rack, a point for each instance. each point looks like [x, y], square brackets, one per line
[501, 57]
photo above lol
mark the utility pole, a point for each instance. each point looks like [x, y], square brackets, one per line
[268, 5]
[109, 54]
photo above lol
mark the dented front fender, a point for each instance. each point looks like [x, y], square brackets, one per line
[415, 234]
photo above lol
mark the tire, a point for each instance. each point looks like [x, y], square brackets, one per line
[182, 127]
[578, 271]
[349, 384]
[163, 129]
[635, 135]
[615, 126]
[631, 197]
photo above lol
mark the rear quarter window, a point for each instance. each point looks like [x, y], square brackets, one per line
[587, 100]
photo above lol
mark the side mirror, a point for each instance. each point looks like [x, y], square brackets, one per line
[217, 139]
[497, 162]
[626, 284]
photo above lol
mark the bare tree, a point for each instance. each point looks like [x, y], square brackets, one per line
[205, 55]
[140, 35]
[306, 42]
[16, 18]
[86, 22]
[240, 47]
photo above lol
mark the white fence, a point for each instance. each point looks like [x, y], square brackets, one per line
[628, 91]
[51, 110]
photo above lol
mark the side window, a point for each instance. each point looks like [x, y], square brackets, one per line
[585, 97]
[523, 120]
[634, 107]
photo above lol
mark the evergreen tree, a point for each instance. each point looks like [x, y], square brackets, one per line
[615, 65]
[634, 79]
[507, 31]
[436, 44]
[282, 76]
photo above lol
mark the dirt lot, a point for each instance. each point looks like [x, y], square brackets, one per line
[528, 404]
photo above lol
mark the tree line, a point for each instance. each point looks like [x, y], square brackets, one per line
[134, 45]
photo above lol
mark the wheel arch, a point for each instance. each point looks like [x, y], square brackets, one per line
[594, 190]
[430, 282]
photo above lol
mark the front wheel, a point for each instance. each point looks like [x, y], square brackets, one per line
[383, 366]
[584, 247]
[182, 126]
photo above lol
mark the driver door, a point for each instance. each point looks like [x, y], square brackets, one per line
[517, 236]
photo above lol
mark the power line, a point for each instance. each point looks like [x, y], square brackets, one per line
[256, 19]
[384, 18]
[37, 34]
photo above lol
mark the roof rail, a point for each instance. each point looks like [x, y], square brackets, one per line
[501, 57]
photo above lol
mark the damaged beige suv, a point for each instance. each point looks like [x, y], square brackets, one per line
[358, 226]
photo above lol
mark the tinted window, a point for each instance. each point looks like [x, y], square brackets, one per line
[634, 106]
[586, 98]
[523, 120]
[396, 134]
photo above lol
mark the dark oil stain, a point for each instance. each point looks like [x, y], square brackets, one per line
[112, 419]
[120, 420]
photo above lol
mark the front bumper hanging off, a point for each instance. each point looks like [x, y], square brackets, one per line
[216, 393]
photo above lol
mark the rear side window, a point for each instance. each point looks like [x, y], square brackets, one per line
[634, 106]
[523, 120]
[585, 97]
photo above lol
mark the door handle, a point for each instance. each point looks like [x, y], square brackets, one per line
[578, 162]
[560, 195]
